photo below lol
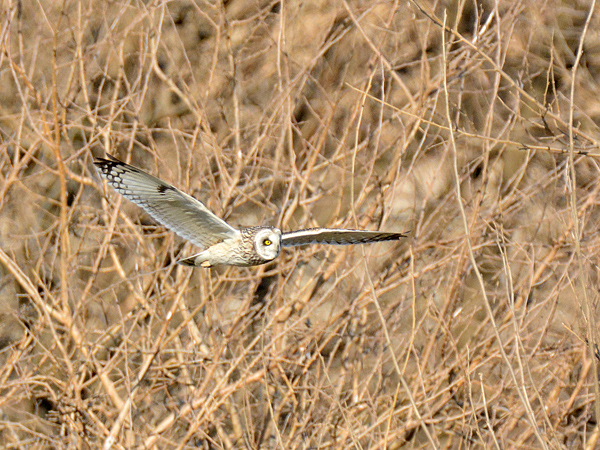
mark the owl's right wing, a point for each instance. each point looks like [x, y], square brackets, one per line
[176, 210]
[336, 236]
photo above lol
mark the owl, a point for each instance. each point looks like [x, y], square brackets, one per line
[222, 243]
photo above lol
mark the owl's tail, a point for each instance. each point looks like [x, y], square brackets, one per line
[195, 261]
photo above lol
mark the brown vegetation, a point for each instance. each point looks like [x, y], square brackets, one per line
[471, 124]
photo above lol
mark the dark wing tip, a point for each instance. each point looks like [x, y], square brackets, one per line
[392, 236]
[109, 158]
[109, 161]
[105, 164]
[388, 236]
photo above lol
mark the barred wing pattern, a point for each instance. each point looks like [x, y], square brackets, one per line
[335, 236]
[180, 212]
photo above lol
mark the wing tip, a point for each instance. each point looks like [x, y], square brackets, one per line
[390, 236]
[106, 164]
[399, 236]
[108, 159]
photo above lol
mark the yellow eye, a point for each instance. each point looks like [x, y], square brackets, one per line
[267, 242]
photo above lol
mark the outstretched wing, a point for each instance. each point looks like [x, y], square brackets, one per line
[335, 236]
[178, 211]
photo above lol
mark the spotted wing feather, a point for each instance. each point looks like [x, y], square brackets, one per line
[335, 236]
[176, 210]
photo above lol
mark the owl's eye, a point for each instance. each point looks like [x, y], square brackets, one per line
[267, 242]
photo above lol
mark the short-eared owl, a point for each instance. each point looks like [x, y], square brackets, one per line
[222, 243]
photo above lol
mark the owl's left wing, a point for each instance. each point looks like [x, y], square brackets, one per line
[336, 236]
[178, 211]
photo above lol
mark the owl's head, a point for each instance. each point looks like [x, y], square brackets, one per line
[267, 242]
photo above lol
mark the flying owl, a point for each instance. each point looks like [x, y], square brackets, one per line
[222, 244]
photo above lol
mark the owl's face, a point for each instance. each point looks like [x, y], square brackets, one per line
[267, 243]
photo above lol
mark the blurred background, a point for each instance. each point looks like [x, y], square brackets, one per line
[471, 125]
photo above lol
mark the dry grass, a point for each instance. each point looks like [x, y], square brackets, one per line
[478, 331]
